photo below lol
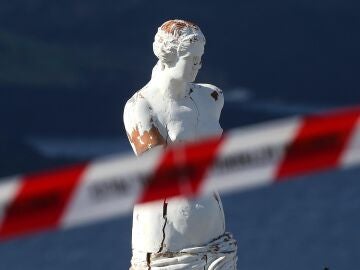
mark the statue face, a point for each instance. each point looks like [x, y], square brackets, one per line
[188, 64]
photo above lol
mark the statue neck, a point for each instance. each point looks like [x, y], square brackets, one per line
[169, 87]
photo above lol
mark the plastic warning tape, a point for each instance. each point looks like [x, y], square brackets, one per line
[243, 158]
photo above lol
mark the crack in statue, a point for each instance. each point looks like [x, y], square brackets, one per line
[178, 233]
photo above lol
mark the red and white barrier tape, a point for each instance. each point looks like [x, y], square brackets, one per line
[241, 159]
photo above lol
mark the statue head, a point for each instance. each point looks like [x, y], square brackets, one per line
[179, 46]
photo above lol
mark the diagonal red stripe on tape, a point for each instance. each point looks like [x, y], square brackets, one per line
[319, 143]
[181, 170]
[40, 202]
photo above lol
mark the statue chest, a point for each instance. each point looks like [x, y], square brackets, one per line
[181, 120]
[187, 120]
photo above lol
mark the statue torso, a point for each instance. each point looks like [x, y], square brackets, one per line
[189, 222]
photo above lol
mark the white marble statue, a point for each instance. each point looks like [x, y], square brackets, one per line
[177, 233]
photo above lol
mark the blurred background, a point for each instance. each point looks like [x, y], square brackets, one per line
[68, 67]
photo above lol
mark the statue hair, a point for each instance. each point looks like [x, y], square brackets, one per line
[173, 38]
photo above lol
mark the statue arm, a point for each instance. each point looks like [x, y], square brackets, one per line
[140, 125]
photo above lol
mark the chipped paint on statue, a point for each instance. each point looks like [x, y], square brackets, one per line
[171, 108]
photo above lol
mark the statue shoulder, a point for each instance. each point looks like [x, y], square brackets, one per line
[211, 92]
[140, 124]
[137, 108]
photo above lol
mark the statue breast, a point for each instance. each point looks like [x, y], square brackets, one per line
[181, 120]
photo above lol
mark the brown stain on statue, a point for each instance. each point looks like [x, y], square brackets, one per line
[215, 95]
[145, 141]
[174, 26]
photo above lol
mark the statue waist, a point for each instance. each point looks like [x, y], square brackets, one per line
[187, 222]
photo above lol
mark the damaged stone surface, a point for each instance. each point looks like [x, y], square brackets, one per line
[142, 142]
[162, 246]
[215, 95]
